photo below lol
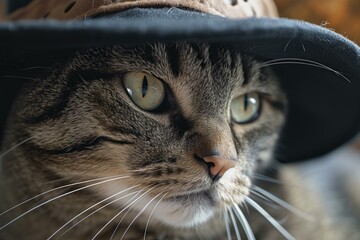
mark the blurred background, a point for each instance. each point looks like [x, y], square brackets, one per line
[343, 16]
[2, 8]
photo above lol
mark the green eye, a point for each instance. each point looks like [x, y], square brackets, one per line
[146, 91]
[245, 108]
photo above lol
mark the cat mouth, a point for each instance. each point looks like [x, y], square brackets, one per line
[204, 196]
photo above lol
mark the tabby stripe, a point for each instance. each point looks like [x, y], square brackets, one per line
[233, 58]
[173, 57]
[73, 80]
[199, 54]
[179, 123]
[246, 66]
[124, 131]
[147, 55]
[236, 140]
[214, 55]
[84, 145]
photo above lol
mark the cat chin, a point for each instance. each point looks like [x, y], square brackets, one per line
[179, 215]
[181, 211]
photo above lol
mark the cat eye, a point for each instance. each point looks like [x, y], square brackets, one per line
[245, 108]
[146, 91]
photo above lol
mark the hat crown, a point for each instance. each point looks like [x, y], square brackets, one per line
[80, 9]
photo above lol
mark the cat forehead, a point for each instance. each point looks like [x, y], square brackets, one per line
[217, 66]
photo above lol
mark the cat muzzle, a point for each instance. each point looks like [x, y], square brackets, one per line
[219, 165]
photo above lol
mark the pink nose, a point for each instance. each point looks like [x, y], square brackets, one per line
[219, 165]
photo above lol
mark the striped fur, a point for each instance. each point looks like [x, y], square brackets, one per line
[81, 125]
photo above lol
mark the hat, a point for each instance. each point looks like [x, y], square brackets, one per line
[318, 68]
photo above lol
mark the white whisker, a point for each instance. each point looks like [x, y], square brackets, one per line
[98, 203]
[55, 198]
[226, 218]
[238, 237]
[152, 212]
[112, 219]
[265, 178]
[282, 203]
[118, 225]
[271, 220]
[244, 223]
[32, 68]
[19, 77]
[99, 209]
[297, 60]
[58, 188]
[294, 62]
[16, 146]
[300, 61]
[138, 215]
[263, 198]
[126, 213]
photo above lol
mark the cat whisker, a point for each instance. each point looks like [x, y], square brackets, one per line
[241, 217]
[19, 77]
[118, 225]
[62, 187]
[99, 209]
[58, 197]
[244, 223]
[126, 213]
[300, 61]
[16, 146]
[32, 68]
[265, 178]
[246, 207]
[151, 213]
[265, 200]
[112, 219]
[292, 59]
[138, 215]
[259, 191]
[271, 220]
[98, 203]
[237, 232]
[226, 218]
[133, 197]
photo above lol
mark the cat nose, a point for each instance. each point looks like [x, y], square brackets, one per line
[218, 165]
[213, 145]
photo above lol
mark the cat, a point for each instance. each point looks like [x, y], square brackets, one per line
[162, 141]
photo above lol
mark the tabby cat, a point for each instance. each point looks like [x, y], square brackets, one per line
[163, 141]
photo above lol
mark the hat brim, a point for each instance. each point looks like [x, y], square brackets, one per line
[319, 69]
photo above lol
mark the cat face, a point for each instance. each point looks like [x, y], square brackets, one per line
[148, 122]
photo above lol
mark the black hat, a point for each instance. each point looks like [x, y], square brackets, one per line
[319, 69]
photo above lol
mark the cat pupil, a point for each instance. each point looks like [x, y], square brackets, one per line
[144, 86]
[246, 102]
